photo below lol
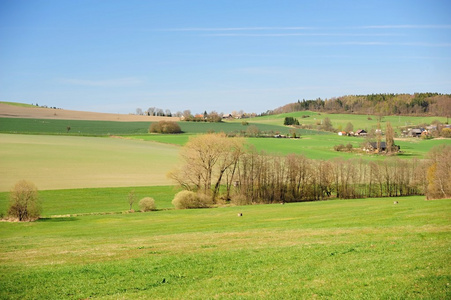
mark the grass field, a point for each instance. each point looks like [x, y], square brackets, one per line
[347, 249]
[359, 121]
[77, 127]
[107, 128]
[322, 147]
[85, 246]
[18, 104]
[61, 162]
[96, 200]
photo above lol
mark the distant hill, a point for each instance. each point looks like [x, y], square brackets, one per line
[19, 110]
[432, 104]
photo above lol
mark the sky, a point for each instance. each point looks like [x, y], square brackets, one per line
[216, 55]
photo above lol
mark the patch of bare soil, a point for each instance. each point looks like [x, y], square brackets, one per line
[12, 111]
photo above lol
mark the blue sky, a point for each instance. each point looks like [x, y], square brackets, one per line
[116, 56]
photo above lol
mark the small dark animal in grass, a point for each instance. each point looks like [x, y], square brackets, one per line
[240, 214]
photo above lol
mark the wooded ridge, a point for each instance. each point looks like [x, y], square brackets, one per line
[384, 104]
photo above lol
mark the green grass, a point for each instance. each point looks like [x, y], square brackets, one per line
[359, 121]
[61, 162]
[96, 200]
[322, 146]
[106, 128]
[18, 104]
[175, 139]
[78, 127]
[347, 249]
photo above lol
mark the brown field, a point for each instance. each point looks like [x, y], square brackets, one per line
[12, 111]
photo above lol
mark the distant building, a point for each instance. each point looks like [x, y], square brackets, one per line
[360, 132]
[416, 132]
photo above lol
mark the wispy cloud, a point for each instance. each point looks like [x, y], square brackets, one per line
[300, 34]
[120, 82]
[200, 29]
[305, 28]
[406, 26]
[359, 43]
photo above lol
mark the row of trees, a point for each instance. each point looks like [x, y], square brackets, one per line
[154, 111]
[224, 168]
[383, 104]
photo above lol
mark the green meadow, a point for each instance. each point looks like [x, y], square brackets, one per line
[359, 121]
[77, 127]
[87, 244]
[96, 200]
[18, 104]
[315, 146]
[346, 249]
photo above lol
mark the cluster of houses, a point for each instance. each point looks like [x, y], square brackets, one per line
[423, 131]
[360, 132]
[410, 132]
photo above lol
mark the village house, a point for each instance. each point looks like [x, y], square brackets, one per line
[416, 132]
[372, 146]
[360, 132]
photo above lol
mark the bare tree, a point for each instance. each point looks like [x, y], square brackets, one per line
[439, 173]
[24, 201]
[389, 138]
[151, 111]
[349, 127]
[186, 114]
[131, 198]
[206, 158]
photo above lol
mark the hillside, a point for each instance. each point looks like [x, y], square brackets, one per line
[8, 110]
[418, 104]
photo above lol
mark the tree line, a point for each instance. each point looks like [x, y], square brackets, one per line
[226, 169]
[376, 104]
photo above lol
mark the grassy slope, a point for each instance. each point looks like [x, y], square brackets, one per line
[321, 147]
[96, 200]
[58, 162]
[359, 121]
[78, 127]
[350, 249]
[83, 127]
[18, 104]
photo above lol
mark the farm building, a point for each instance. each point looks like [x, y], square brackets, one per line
[360, 132]
[416, 132]
[372, 146]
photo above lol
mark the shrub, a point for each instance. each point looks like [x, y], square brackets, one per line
[165, 127]
[24, 201]
[239, 199]
[339, 147]
[189, 199]
[446, 132]
[147, 204]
